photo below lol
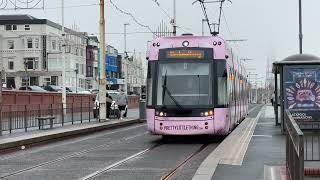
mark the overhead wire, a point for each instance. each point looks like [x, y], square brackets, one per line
[229, 30]
[132, 16]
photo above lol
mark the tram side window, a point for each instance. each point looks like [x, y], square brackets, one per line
[149, 83]
[222, 77]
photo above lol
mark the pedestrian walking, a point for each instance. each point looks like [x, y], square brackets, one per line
[108, 102]
[122, 102]
[272, 98]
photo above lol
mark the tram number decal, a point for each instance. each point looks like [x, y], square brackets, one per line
[182, 127]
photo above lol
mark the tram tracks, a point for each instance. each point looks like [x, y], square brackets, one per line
[104, 170]
[171, 172]
[71, 155]
[174, 170]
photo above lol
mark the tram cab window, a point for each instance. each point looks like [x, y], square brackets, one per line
[222, 77]
[150, 83]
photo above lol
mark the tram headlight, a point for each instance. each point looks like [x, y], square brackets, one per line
[157, 113]
[219, 43]
[215, 43]
[185, 43]
[206, 113]
[158, 44]
[210, 113]
[161, 114]
[201, 114]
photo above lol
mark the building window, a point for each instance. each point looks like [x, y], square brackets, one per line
[31, 63]
[10, 44]
[34, 81]
[27, 27]
[82, 69]
[25, 81]
[29, 43]
[36, 43]
[47, 81]
[68, 49]
[54, 80]
[54, 44]
[11, 65]
[89, 71]
[11, 27]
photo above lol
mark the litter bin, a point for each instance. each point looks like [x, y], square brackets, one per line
[142, 110]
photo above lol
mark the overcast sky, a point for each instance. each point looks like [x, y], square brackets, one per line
[271, 27]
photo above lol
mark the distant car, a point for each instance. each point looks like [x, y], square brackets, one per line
[53, 88]
[32, 88]
[114, 111]
[78, 90]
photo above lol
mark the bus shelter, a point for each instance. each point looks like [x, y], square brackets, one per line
[297, 88]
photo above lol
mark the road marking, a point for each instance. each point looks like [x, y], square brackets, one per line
[97, 173]
[64, 158]
[268, 136]
[66, 143]
[240, 136]
[266, 123]
[132, 137]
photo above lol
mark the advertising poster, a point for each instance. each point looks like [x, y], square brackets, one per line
[302, 90]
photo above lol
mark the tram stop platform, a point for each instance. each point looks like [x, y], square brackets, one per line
[255, 150]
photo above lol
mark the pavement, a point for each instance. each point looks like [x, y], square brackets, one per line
[254, 150]
[21, 140]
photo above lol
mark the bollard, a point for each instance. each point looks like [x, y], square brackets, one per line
[142, 109]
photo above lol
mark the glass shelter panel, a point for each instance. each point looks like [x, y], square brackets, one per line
[302, 92]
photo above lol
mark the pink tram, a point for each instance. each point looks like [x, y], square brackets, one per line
[195, 86]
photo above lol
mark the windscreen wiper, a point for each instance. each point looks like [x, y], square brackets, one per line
[165, 89]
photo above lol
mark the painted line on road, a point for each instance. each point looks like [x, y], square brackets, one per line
[23, 153]
[138, 135]
[208, 166]
[97, 173]
[68, 156]
[268, 136]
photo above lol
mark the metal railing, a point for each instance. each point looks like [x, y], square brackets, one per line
[294, 148]
[24, 117]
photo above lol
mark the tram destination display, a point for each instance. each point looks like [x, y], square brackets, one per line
[185, 54]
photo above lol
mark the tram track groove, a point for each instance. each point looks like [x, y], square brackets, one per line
[121, 162]
[174, 170]
[64, 158]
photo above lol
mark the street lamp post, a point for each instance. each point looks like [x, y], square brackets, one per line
[126, 56]
[300, 27]
[76, 71]
[64, 93]
[125, 38]
[103, 81]
[203, 20]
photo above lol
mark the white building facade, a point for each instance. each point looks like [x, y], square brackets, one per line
[30, 51]
[133, 71]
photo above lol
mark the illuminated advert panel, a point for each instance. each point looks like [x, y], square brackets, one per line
[302, 92]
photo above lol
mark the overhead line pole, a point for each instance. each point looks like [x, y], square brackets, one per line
[103, 81]
[64, 92]
[300, 27]
[174, 18]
